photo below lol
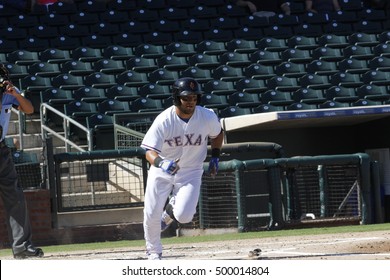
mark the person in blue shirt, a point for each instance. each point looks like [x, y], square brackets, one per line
[10, 190]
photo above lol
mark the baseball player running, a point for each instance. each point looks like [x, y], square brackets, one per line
[176, 147]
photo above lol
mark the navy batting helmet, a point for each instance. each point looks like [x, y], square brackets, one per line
[185, 86]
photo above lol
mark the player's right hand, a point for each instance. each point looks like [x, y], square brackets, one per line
[169, 166]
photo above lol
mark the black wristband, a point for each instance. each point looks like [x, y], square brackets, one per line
[157, 161]
[215, 152]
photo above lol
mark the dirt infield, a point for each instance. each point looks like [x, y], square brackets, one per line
[374, 245]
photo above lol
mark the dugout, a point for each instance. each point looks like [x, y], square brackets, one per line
[322, 132]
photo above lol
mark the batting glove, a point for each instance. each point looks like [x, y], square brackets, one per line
[213, 166]
[169, 166]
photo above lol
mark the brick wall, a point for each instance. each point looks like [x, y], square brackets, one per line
[38, 203]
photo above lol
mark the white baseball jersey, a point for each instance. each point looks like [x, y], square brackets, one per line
[173, 138]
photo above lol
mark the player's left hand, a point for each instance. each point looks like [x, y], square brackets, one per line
[213, 166]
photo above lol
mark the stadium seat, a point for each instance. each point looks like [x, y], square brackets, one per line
[259, 71]
[333, 41]
[341, 94]
[241, 46]
[149, 51]
[363, 39]
[43, 31]
[67, 81]
[338, 28]
[64, 42]
[108, 66]
[231, 10]
[233, 111]
[381, 63]
[188, 36]
[296, 55]
[219, 87]
[77, 68]
[54, 19]
[197, 73]
[328, 54]
[302, 42]
[265, 57]
[113, 16]
[120, 5]
[235, 59]
[227, 73]
[276, 98]
[290, 69]
[122, 93]
[244, 99]
[223, 22]
[300, 106]
[154, 91]
[272, 44]
[368, 26]
[16, 71]
[180, 49]
[376, 77]
[8, 46]
[102, 128]
[373, 92]
[146, 104]
[112, 106]
[282, 83]
[34, 44]
[353, 66]
[330, 104]
[308, 95]
[89, 94]
[204, 61]
[78, 111]
[219, 35]
[74, 30]
[322, 67]
[117, 52]
[62, 8]
[146, 15]
[313, 18]
[358, 52]
[158, 38]
[250, 85]
[196, 24]
[23, 57]
[173, 13]
[141, 64]
[134, 27]
[56, 98]
[214, 101]
[365, 102]
[163, 76]
[100, 80]
[201, 11]
[210, 47]
[23, 20]
[132, 78]
[84, 18]
[314, 81]
[44, 69]
[382, 49]
[278, 31]
[345, 79]
[266, 108]
[172, 62]
[87, 54]
[96, 41]
[308, 29]
[13, 33]
[35, 83]
[384, 37]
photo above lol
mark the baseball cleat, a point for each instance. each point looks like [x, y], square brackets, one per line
[154, 256]
[30, 252]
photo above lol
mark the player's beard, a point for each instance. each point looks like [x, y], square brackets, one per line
[186, 110]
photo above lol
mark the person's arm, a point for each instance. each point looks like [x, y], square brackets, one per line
[286, 8]
[252, 7]
[216, 145]
[309, 6]
[336, 5]
[24, 104]
[167, 165]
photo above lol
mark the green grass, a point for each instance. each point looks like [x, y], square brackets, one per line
[210, 238]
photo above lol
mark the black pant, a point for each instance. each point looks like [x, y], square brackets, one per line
[14, 202]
